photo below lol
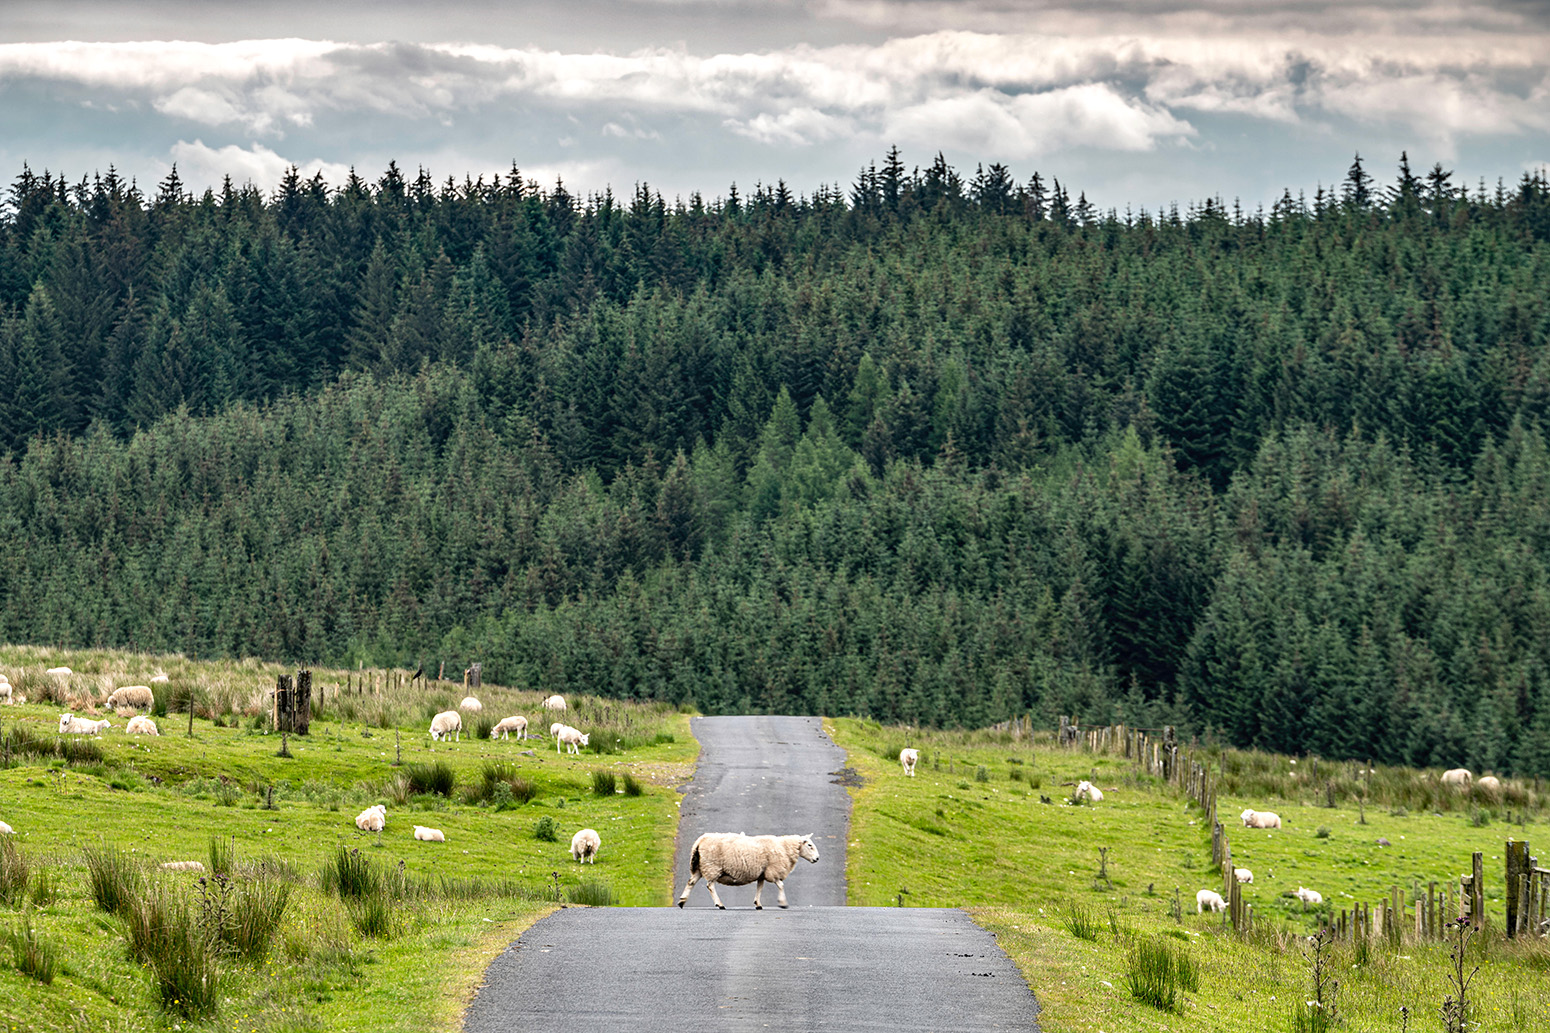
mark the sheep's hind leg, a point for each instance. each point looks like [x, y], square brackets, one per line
[692, 880]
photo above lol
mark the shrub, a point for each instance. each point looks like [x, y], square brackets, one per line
[631, 786]
[1322, 833]
[165, 933]
[1156, 972]
[604, 782]
[544, 830]
[1016, 774]
[437, 779]
[1080, 921]
[33, 955]
[116, 882]
[591, 893]
[982, 774]
[14, 872]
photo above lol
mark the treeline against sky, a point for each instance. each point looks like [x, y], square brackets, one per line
[931, 448]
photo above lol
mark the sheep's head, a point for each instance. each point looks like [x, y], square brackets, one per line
[64, 721]
[1248, 813]
[584, 737]
[809, 849]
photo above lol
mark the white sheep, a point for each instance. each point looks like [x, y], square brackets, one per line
[372, 819]
[446, 723]
[158, 679]
[69, 724]
[426, 835]
[734, 859]
[554, 729]
[137, 696]
[554, 703]
[183, 866]
[909, 758]
[1209, 899]
[1243, 875]
[584, 846]
[508, 725]
[141, 725]
[473, 706]
[59, 672]
[572, 738]
[5, 693]
[1308, 896]
[1490, 784]
[1260, 819]
[1086, 789]
[6, 830]
[1458, 778]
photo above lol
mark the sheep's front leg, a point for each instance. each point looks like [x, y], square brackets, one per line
[756, 891]
[692, 880]
[780, 884]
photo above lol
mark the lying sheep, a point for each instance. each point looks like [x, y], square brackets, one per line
[584, 846]
[1209, 899]
[426, 835]
[734, 859]
[183, 866]
[6, 830]
[508, 725]
[60, 672]
[1260, 819]
[473, 706]
[446, 723]
[554, 703]
[1308, 896]
[372, 819]
[572, 738]
[158, 679]
[69, 724]
[909, 758]
[1086, 790]
[141, 725]
[137, 696]
[1458, 778]
[1243, 875]
[1490, 784]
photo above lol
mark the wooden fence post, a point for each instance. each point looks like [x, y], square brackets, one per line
[1517, 879]
[1477, 906]
[301, 715]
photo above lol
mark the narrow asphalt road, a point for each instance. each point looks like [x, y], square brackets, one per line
[817, 966]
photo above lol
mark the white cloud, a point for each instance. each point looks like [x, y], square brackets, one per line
[1031, 124]
[200, 166]
[798, 126]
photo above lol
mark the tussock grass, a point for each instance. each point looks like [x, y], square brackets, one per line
[1157, 972]
[500, 785]
[1080, 921]
[632, 786]
[604, 782]
[435, 779]
[165, 933]
[592, 893]
[15, 872]
[116, 879]
[32, 954]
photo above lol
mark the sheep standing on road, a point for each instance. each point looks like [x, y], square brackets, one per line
[507, 725]
[584, 846]
[137, 696]
[573, 740]
[372, 819]
[1260, 819]
[909, 758]
[446, 723]
[69, 724]
[1209, 899]
[734, 859]
[141, 725]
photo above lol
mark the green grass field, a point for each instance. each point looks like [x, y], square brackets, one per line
[164, 799]
[946, 838]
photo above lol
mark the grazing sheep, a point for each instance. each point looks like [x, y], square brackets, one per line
[1490, 784]
[1087, 790]
[183, 866]
[426, 835]
[554, 703]
[1458, 778]
[69, 724]
[584, 846]
[1243, 875]
[573, 739]
[5, 693]
[1308, 896]
[141, 725]
[508, 725]
[158, 679]
[554, 729]
[734, 859]
[62, 672]
[1260, 819]
[1209, 899]
[6, 830]
[372, 819]
[473, 706]
[909, 758]
[137, 696]
[446, 723]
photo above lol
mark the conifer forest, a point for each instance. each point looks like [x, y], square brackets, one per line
[933, 447]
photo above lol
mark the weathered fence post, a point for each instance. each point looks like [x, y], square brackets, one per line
[301, 703]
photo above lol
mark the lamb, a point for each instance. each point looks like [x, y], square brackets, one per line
[1243, 875]
[584, 846]
[1458, 778]
[1490, 784]
[183, 866]
[1209, 899]
[1308, 896]
[372, 819]
[446, 723]
[508, 725]
[554, 703]
[69, 724]
[909, 758]
[1260, 819]
[1085, 789]
[141, 725]
[61, 672]
[137, 696]
[734, 859]
[573, 739]
[554, 729]
[473, 706]
[426, 835]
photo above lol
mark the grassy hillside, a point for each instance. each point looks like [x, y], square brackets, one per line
[972, 829]
[333, 964]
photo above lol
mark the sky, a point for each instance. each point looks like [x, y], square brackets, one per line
[1138, 103]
